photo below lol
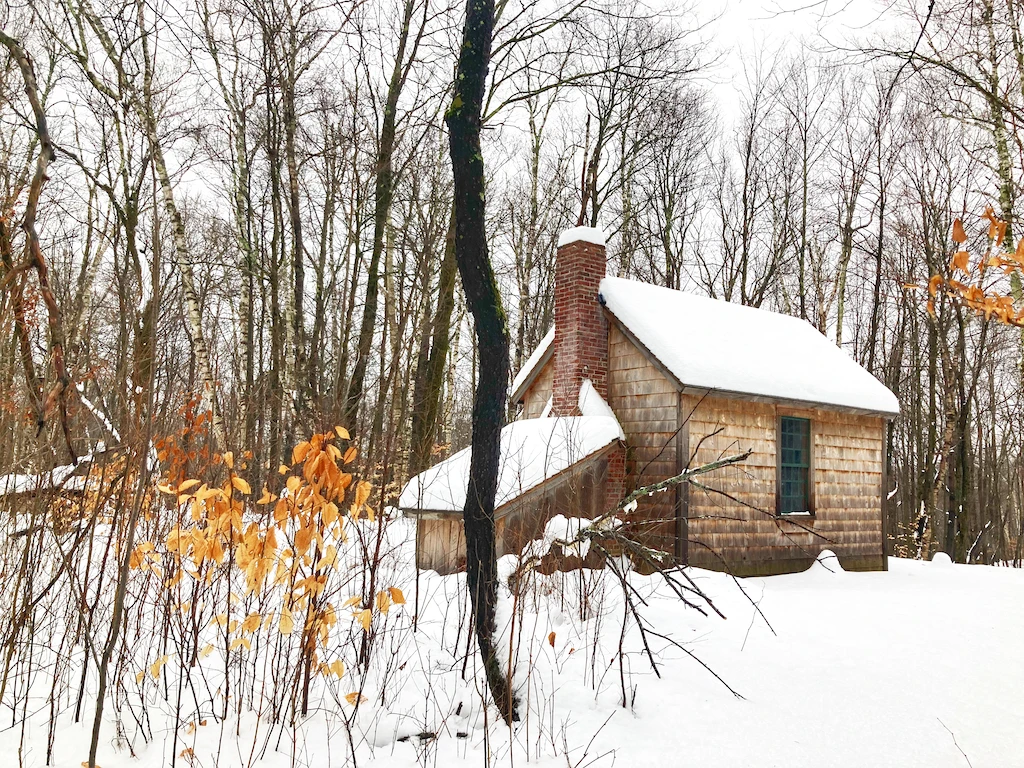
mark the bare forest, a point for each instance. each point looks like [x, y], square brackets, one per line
[230, 277]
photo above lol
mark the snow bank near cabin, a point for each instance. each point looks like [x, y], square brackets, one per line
[562, 529]
[718, 345]
[828, 560]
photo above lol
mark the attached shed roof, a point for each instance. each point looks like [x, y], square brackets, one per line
[532, 451]
[717, 345]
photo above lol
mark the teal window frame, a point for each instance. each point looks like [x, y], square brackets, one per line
[794, 482]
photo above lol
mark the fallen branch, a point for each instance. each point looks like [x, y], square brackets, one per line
[607, 535]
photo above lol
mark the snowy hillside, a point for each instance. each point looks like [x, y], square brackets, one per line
[863, 669]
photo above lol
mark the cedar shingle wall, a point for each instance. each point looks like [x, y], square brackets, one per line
[537, 396]
[646, 404]
[847, 477]
[441, 545]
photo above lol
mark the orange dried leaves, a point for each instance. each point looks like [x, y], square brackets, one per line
[282, 543]
[991, 300]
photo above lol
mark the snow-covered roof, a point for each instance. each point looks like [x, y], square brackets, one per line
[532, 451]
[532, 361]
[721, 346]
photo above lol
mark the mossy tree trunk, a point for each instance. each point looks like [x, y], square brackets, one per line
[484, 301]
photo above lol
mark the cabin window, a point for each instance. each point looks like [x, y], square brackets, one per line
[794, 465]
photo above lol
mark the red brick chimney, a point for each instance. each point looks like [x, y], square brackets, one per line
[581, 332]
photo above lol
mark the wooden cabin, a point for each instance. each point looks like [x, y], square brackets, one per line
[634, 384]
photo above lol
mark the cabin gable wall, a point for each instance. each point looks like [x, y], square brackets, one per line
[666, 429]
[646, 404]
[539, 393]
[846, 475]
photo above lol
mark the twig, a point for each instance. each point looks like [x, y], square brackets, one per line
[696, 658]
[953, 736]
[777, 519]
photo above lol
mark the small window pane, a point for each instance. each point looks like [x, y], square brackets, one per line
[794, 465]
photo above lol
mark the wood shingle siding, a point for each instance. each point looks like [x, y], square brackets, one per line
[646, 404]
[539, 392]
[746, 533]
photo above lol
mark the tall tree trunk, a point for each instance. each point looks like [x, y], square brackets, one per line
[278, 374]
[298, 352]
[17, 291]
[34, 253]
[876, 288]
[141, 437]
[1004, 163]
[142, 105]
[242, 212]
[326, 246]
[482, 297]
[384, 192]
[427, 413]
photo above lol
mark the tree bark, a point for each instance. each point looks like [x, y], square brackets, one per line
[17, 291]
[243, 215]
[295, 220]
[142, 104]
[57, 399]
[427, 413]
[384, 192]
[482, 297]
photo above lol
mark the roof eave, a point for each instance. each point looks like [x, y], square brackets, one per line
[787, 401]
[430, 514]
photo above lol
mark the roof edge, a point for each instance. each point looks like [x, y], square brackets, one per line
[729, 394]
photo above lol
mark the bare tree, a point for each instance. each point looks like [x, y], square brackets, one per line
[464, 119]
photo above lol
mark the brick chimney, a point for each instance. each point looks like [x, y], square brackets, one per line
[581, 332]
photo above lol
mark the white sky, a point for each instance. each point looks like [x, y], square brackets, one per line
[746, 26]
[744, 22]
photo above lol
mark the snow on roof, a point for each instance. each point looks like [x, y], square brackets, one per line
[592, 404]
[532, 360]
[532, 451]
[718, 345]
[581, 234]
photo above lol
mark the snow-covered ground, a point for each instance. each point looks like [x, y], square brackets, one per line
[918, 666]
[865, 669]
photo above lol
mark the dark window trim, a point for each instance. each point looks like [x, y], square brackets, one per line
[810, 465]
